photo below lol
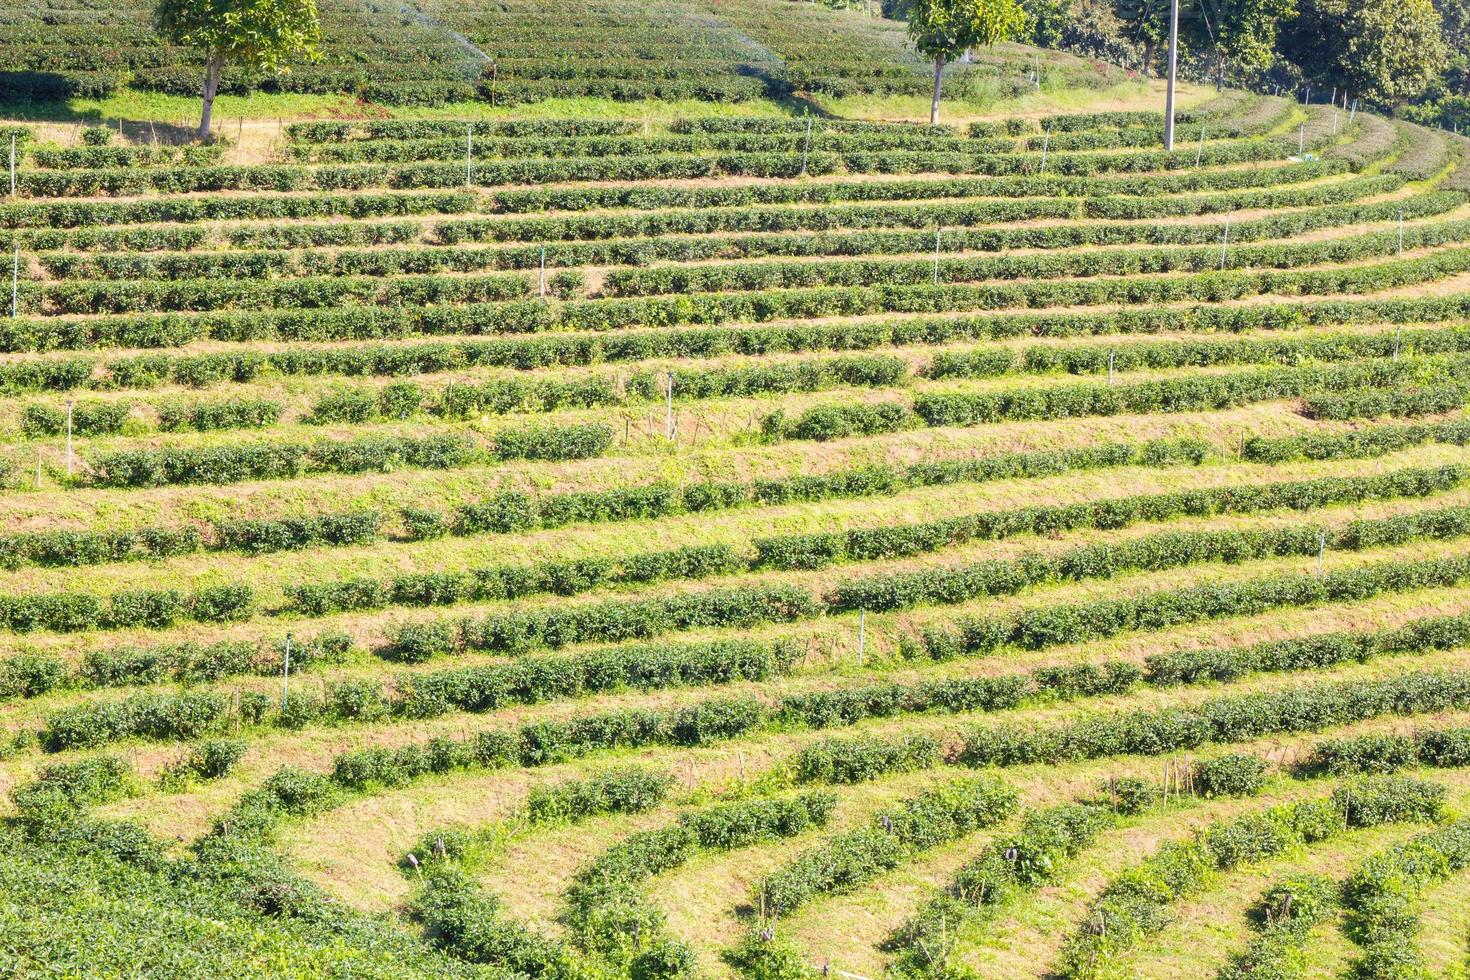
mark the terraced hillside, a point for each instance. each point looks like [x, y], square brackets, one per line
[426, 52]
[588, 548]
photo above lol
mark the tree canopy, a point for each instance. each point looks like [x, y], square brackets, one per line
[257, 35]
[945, 29]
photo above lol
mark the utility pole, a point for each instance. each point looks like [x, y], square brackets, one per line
[1173, 75]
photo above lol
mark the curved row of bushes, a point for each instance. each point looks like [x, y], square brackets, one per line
[848, 861]
[1063, 623]
[746, 276]
[418, 259]
[146, 371]
[612, 197]
[737, 606]
[510, 511]
[531, 170]
[366, 323]
[1189, 393]
[1137, 903]
[86, 216]
[808, 551]
[1379, 898]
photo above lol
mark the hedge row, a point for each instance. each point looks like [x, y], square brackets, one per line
[1125, 197]
[1063, 623]
[154, 330]
[512, 511]
[74, 157]
[622, 619]
[456, 147]
[1285, 917]
[627, 789]
[284, 460]
[734, 277]
[526, 353]
[334, 131]
[604, 905]
[294, 177]
[469, 923]
[532, 680]
[850, 860]
[1381, 897]
[809, 551]
[863, 758]
[1166, 549]
[529, 170]
[595, 198]
[1137, 903]
[1182, 394]
[251, 536]
[870, 544]
[28, 675]
[196, 295]
[550, 677]
[69, 612]
[187, 210]
[1331, 204]
[1022, 861]
[102, 275]
[1425, 635]
[1387, 402]
[276, 459]
[1378, 440]
[1444, 748]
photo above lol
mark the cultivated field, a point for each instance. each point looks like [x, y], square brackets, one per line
[587, 547]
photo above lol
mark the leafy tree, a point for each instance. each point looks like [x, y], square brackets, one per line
[1145, 23]
[258, 35]
[1238, 32]
[1387, 51]
[946, 29]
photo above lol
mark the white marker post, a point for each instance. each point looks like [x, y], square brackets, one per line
[862, 633]
[937, 232]
[286, 673]
[1225, 242]
[669, 406]
[1301, 139]
[469, 153]
[70, 405]
[1111, 355]
[1045, 145]
[542, 280]
[806, 146]
[12, 164]
[1401, 233]
[1321, 551]
[1199, 154]
[15, 283]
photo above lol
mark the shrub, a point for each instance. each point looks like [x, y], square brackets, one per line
[625, 790]
[1236, 774]
[864, 758]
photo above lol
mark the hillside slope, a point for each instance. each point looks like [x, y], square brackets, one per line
[738, 546]
[426, 53]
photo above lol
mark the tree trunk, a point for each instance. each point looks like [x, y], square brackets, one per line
[212, 69]
[1148, 59]
[1220, 72]
[938, 81]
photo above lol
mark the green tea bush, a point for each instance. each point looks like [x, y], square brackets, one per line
[849, 860]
